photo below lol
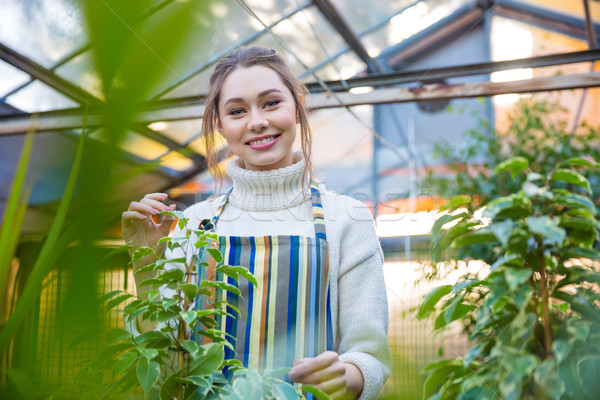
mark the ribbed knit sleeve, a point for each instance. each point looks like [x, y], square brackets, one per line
[362, 300]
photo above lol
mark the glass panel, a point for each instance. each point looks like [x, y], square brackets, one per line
[226, 24]
[10, 78]
[361, 15]
[180, 131]
[572, 8]
[299, 33]
[411, 21]
[176, 161]
[39, 97]
[82, 71]
[193, 87]
[512, 39]
[136, 144]
[42, 30]
[343, 67]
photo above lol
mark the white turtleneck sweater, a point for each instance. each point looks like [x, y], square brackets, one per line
[275, 202]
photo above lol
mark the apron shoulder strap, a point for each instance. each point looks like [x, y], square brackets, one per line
[317, 210]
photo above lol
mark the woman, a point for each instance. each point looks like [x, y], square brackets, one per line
[322, 308]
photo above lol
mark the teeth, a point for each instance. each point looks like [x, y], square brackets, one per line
[262, 141]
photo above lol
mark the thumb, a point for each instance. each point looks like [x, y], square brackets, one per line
[167, 222]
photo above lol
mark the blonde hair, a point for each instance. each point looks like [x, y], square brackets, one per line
[245, 57]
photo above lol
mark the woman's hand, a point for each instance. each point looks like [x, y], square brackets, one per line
[337, 379]
[138, 225]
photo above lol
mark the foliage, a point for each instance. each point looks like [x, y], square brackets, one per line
[123, 40]
[537, 132]
[184, 357]
[534, 317]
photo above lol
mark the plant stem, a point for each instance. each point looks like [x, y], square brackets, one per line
[545, 311]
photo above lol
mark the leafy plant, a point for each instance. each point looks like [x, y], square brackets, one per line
[534, 318]
[536, 181]
[184, 357]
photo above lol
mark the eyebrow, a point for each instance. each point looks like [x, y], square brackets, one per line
[261, 94]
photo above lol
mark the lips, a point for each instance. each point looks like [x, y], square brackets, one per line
[262, 140]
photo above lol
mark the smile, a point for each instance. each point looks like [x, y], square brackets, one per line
[263, 141]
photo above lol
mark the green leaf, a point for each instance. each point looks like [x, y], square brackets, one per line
[216, 255]
[579, 330]
[125, 362]
[589, 370]
[516, 277]
[579, 304]
[582, 162]
[318, 393]
[576, 201]
[147, 372]
[456, 202]
[581, 223]
[443, 220]
[209, 359]
[503, 260]
[116, 335]
[283, 391]
[201, 243]
[548, 228]
[174, 274]
[154, 339]
[580, 252]
[119, 250]
[190, 346]
[502, 230]
[442, 373]
[561, 349]
[189, 289]
[220, 285]
[140, 253]
[478, 236]
[189, 316]
[460, 286]
[515, 165]
[573, 178]
[175, 214]
[168, 389]
[118, 300]
[148, 354]
[569, 374]
[234, 271]
[428, 304]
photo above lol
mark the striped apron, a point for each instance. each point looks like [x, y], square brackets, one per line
[288, 316]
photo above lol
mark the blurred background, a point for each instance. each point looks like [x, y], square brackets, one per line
[389, 80]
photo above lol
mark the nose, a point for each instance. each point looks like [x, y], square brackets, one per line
[257, 121]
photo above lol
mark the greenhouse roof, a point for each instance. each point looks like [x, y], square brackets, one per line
[46, 64]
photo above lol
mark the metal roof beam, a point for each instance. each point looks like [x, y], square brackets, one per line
[456, 71]
[544, 18]
[46, 76]
[464, 90]
[340, 25]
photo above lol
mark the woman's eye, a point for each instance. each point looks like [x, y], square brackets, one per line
[237, 111]
[272, 103]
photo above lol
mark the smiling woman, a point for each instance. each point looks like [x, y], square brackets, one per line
[320, 306]
[257, 117]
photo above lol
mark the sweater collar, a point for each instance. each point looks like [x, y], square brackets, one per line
[272, 190]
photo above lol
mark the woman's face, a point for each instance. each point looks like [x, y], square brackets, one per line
[257, 117]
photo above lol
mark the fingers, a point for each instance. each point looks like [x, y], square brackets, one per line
[307, 366]
[151, 204]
